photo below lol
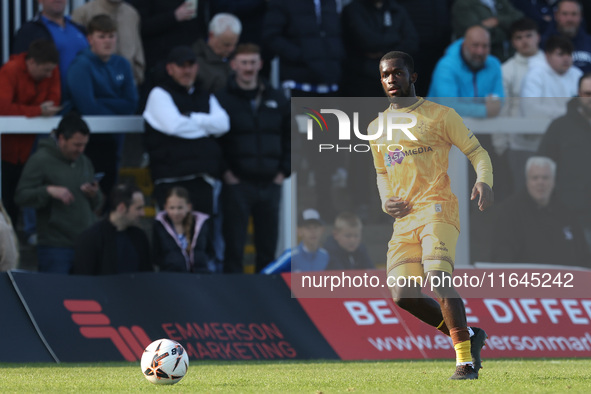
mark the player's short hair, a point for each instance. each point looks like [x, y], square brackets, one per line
[347, 220]
[523, 24]
[408, 60]
[103, 23]
[224, 21]
[247, 48]
[123, 193]
[71, 124]
[540, 161]
[559, 42]
[43, 52]
[583, 77]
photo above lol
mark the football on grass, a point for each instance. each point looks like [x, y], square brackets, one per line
[164, 362]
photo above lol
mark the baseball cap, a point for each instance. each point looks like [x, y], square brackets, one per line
[181, 54]
[309, 216]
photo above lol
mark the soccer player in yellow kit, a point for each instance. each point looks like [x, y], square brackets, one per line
[415, 189]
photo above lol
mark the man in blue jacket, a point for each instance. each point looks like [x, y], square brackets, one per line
[101, 83]
[467, 71]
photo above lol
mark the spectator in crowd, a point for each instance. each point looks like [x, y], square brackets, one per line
[115, 244]
[525, 39]
[257, 152]
[129, 41]
[495, 15]
[518, 147]
[569, 22]
[213, 55]
[30, 86]
[101, 83]
[554, 77]
[168, 23]
[308, 255]
[8, 242]
[306, 35]
[182, 123]
[434, 30]
[545, 89]
[214, 71]
[534, 227]
[468, 70]
[58, 181]
[344, 246]
[371, 28]
[541, 11]
[566, 142]
[52, 24]
[251, 14]
[469, 79]
[181, 235]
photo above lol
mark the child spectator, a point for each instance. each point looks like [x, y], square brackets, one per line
[181, 241]
[308, 255]
[344, 246]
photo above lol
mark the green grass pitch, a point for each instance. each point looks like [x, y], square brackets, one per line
[508, 376]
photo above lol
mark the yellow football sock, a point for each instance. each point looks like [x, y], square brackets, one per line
[463, 355]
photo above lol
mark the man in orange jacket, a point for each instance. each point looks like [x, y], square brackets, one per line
[29, 86]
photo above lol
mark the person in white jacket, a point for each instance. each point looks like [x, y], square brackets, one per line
[556, 78]
[545, 90]
[516, 147]
[182, 124]
[526, 40]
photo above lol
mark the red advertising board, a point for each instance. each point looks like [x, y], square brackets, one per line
[374, 328]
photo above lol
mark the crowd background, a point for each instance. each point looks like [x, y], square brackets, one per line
[325, 48]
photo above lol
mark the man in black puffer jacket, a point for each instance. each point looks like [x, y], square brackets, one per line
[257, 153]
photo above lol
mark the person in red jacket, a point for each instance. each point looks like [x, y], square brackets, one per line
[29, 86]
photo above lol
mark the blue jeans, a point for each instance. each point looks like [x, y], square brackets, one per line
[55, 259]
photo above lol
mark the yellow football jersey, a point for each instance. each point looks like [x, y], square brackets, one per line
[416, 171]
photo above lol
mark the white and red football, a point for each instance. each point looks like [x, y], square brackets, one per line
[164, 361]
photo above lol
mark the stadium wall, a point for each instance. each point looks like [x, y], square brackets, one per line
[48, 317]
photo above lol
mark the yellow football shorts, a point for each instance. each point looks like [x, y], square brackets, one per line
[431, 247]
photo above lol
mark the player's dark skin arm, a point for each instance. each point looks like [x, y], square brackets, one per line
[485, 195]
[399, 208]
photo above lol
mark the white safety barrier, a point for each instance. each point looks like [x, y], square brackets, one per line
[134, 124]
